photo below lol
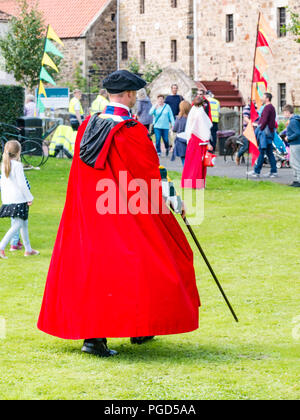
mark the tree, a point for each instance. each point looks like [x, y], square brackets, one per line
[78, 80]
[294, 26]
[151, 71]
[22, 47]
[133, 65]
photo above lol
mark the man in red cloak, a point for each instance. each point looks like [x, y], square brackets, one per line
[121, 265]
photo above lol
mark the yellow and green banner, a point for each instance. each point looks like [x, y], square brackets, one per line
[49, 47]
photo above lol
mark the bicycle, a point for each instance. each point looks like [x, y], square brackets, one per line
[35, 151]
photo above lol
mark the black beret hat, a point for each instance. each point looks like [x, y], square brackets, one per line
[123, 80]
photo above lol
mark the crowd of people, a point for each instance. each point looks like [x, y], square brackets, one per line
[188, 129]
[108, 143]
[269, 139]
[167, 120]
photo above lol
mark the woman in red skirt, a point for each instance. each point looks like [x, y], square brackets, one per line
[198, 134]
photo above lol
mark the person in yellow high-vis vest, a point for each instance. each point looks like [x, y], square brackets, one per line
[215, 113]
[63, 141]
[76, 110]
[100, 103]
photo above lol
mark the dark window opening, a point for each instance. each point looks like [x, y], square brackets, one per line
[281, 96]
[124, 46]
[143, 51]
[173, 51]
[281, 19]
[229, 28]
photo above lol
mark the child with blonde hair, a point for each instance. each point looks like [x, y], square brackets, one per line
[16, 197]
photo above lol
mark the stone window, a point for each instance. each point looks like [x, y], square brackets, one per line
[281, 21]
[229, 28]
[173, 3]
[143, 51]
[124, 46]
[281, 96]
[142, 7]
[173, 50]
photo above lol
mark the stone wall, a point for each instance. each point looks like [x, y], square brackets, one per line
[74, 52]
[101, 41]
[97, 46]
[157, 27]
[234, 61]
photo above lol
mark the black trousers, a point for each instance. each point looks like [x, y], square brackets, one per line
[214, 131]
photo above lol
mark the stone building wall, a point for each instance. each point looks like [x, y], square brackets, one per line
[234, 61]
[160, 24]
[74, 52]
[97, 46]
[101, 41]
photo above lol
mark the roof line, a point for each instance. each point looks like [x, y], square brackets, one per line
[6, 14]
[96, 17]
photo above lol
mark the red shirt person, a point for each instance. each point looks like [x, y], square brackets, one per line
[121, 265]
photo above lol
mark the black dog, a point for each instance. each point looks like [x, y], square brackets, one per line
[232, 146]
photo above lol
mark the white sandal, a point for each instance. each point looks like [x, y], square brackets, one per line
[3, 256]
[32, 253]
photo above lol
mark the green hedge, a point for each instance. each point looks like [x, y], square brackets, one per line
[11, 103]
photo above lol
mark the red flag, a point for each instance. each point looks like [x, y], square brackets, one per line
[250, 135]
[257, 77]
[255, 95]
[253, 146]
[254, 152]
[261, 41]
[253, 113]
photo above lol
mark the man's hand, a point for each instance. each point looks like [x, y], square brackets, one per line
[210, 147]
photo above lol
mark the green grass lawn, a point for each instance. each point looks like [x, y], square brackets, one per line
[252, 238]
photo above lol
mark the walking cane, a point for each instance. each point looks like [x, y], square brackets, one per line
[210, 267]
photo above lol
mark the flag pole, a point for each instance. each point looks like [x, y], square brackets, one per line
[254, 60]
[255, 52]
[44, 49]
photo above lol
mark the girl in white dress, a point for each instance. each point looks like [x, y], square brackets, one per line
[16, 197]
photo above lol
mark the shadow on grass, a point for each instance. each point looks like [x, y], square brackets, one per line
[159, 351]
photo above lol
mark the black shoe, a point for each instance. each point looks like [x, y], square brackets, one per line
[295, 184]
[140, 340]
[98, 347]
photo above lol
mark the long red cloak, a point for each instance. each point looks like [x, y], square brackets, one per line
[118, 275]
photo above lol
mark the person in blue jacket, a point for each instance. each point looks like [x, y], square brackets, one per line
[293, 138]
[162, 119]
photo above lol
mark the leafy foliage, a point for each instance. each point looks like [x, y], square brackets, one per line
[11, 103]
[133, 65]
[294, 26]
[281, 126]
[78, 81]
[95, 80]
[23, 45]
[151, 71]
[85, 84]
